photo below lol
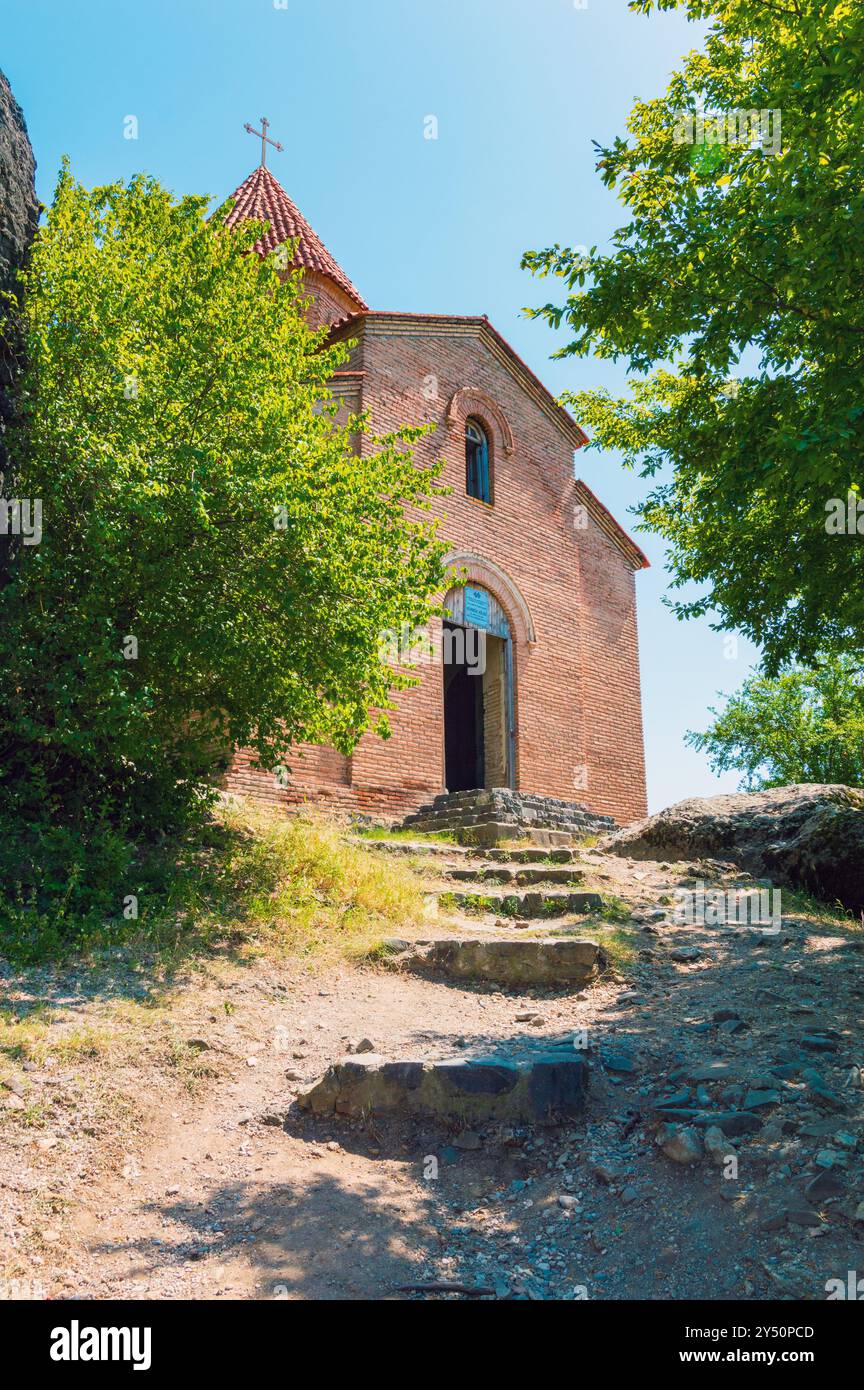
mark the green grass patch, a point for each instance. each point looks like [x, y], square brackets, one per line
[619, 944]
[798, 903]
[420, 837]
[614, 909]
[248, 880]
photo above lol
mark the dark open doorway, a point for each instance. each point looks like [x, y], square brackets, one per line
[463, 722]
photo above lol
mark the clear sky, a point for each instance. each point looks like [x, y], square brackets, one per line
[520, 88]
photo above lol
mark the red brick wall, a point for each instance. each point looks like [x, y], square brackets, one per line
[330, 303]
[577, 697]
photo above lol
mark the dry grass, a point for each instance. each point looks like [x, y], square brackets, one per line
[294, 887]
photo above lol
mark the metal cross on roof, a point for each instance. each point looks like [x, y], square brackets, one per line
[264, 138]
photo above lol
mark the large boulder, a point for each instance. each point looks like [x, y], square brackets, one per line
[19, 209]
[19, 213]
[807, 836]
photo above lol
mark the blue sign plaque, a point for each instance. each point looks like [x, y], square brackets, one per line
[476, 608]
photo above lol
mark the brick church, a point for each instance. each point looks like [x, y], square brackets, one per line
[553, 708]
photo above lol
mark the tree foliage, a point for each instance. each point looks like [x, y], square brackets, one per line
[804, 725]
[216, 563]
[734, 291]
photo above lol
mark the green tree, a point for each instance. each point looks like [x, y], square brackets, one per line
[804, 725]
[735, 292]
[217, 563]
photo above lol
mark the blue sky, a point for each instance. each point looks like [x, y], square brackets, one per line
[520, 88]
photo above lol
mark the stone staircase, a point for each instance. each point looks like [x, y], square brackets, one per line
[490, 817]
[492, 944]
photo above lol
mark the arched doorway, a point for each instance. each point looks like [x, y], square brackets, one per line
[478, 691]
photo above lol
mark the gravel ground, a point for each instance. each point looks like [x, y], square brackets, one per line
[151, 1147]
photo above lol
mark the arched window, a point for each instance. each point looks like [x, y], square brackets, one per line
[478, 482]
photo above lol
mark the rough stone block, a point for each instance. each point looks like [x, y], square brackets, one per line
[541, 1089]
[521, 962]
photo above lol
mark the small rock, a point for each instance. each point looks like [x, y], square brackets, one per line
[825, 1185]
[717, 1146]
[680, 1098]
[829, 1158]
[803, 1216]
[756, 1100]
[619, 1062]
[821, 1093]
[468, 1141]
[817, 1043]
[735, 1122]
[714, 1071]
[607, 1173]
[681, 1145]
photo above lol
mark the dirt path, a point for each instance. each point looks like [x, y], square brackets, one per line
[151, 1148]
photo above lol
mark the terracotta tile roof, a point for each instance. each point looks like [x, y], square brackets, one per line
[263, 199]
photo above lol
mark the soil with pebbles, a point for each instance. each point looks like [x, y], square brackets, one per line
[172, 1162]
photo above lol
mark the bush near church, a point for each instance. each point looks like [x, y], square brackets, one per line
[173, 405]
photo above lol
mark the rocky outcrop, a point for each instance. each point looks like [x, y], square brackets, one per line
[19, 209]
[19, 212]
[806, 836]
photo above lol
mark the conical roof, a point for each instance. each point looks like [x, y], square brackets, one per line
[262, 198]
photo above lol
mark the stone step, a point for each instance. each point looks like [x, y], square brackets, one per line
[547, 903]
[443, 849]
[477, 829]
[537, 874]
[538, 855]
[554, 855]
[522, 963]
[543, 1088]
[490, 833]
[448, 821]
[528, 801]
[497, 832]
[459, 809]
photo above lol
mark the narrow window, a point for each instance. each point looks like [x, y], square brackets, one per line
[477, 479]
